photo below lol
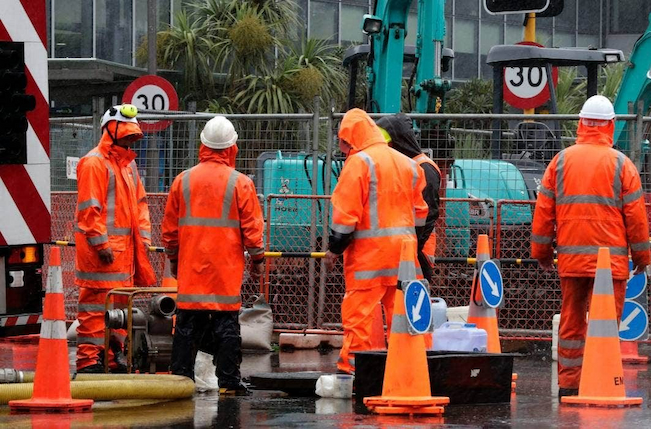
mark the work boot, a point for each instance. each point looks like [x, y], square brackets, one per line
[238, 390]
[119, 359]
[562, 391]
[96, 368]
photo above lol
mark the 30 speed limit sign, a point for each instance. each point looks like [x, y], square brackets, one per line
[152, 93]
[526, 87]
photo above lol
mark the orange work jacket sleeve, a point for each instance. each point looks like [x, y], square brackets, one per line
[544, 217]
[92, 182]
[421, 209]
[348, 203]
[251, 222]
[170, 225]
[144, 222]
[635, 215]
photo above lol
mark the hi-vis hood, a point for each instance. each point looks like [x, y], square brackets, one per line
[221, 156]
[359, 130]
[401, 131]
[602, 136]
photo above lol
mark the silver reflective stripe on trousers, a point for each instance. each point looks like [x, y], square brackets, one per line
[603, 329]
[399, 324]
[211, 299]
[106, 277]
[53, 329]
[221, 222]
[90, 308]
[541, 239]
[110, 206]
[90, 340]
[570, 363]
[571, 344]
[374, 274]
[590, 250]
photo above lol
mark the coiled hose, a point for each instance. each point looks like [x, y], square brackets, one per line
[105, 387]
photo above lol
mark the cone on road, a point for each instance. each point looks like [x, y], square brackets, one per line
[630, 353]
[378, 337]
[52, 379]
[406, 388]
[481, 315]
[602, 375]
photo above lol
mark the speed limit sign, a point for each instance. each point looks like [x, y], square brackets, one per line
[526, 87]
[152, 93]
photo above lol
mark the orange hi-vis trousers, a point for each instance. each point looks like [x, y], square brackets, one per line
[357, 311]
[577, 292]
[90, 332]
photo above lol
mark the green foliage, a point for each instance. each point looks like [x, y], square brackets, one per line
[611, 76]
[474, 96]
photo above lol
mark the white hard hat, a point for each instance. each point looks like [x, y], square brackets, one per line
[219, 133]
[120, 113]
[598, 107]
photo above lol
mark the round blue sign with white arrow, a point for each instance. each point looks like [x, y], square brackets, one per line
[634, 321]
[491, 285]
[636, 284]
[418, 307]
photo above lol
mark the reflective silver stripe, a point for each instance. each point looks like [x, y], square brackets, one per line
[633, 196]
[228, 195]
[546, 192]
[560, 163]
[420, 221]
[373, 274]
[604, 287]
[385, 232]
[590, 250]
[588, 199]
[96, 241]
[88, 204]
[399, 324]
[414, 170]
[407, 270]
[94, 154]
[570, 363]
[639, 247]
[209, 221]
[77, 229]
[571, 344]
[134, 173]
[541, 239]
[145, 234]
[372, 193]
[90, 340]
[110, 207]
[90, 308]
[106, 277]
[54, 282]
[216, 299]
[185, 186]
[253, 251]
[617, 180]
[603, 329]
[53, 329]
[342, 229]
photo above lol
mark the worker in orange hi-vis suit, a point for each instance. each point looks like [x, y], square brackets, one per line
[113, 234]
[376, 204]
[590, 197]
[212, 217]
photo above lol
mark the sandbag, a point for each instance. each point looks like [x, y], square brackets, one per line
[256, 325]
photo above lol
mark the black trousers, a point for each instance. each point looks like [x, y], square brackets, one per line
[215, 332]
[424, 265]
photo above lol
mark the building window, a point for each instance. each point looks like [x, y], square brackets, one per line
[514, 34]
[323, 20]
[465, 49]
[567, 18]
[491, 35]
[351, 23]
[626, 16]
[466, 8]
[563, 39]
[114, 30]
[73, 28]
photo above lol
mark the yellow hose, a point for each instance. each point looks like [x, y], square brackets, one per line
[28, 377]
[108, 387]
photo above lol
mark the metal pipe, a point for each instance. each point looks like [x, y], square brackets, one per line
[313, 212]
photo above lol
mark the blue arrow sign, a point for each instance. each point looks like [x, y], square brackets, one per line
[418, 307]
[636, 284]
[634, 321]
[491, 285]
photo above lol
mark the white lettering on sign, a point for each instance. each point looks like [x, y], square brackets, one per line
[525, 82]
[71, 167]
[151, 97]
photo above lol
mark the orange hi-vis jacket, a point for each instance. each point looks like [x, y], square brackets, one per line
[111, 212]
[592, 195]
[379, 200]
[212, 217]
[429, 249]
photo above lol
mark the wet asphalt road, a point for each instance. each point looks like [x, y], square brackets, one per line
[534, 405]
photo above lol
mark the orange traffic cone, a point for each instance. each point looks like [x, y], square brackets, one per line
[630, 353]
[481, 315]
[378, 337]
[52, 378]
[406, 388]
[602, 375]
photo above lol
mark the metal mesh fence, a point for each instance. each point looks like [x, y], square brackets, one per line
[490, 180]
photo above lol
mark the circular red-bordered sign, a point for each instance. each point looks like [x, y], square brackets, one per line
[151, 92]
[526, 87]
